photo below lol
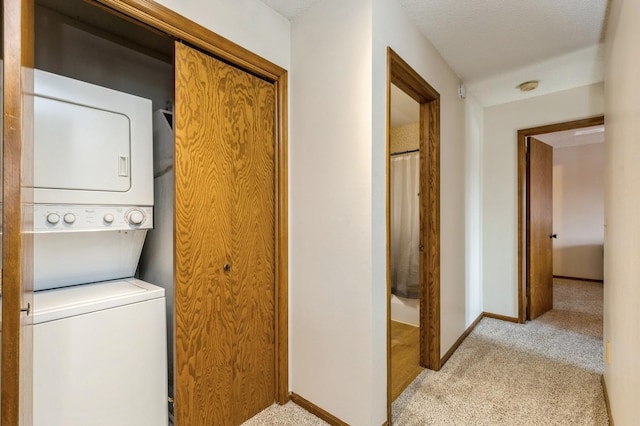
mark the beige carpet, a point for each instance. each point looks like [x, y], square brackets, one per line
[289, 414]
[546, 372]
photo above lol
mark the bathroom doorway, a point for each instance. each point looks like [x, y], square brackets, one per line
[413, 226]
[404, 232]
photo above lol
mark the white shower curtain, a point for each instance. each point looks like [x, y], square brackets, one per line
[405, 225]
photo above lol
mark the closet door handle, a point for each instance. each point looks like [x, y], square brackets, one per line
[227, 267]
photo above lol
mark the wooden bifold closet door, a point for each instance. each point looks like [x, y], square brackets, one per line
[224, 241]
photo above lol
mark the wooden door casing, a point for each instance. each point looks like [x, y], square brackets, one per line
[540, 227]
[225, 215]
[522, 254]
[17, 213]
[405, 78]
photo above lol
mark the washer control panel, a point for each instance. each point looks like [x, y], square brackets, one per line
[51, 218]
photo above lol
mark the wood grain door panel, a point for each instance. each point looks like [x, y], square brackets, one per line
[540, 227]
[225, 316]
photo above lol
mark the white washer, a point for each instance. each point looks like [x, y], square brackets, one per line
[100, 355]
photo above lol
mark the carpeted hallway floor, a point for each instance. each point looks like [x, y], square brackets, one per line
[545, 372]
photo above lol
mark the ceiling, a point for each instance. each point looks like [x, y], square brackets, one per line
[480, 39]
[404, 109]
[493, 45]
[290, 8]
[575, 137]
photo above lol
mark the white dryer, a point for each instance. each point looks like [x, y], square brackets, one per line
[100, 355]
[92, 145]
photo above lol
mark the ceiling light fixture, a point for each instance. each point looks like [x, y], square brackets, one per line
[528, 86]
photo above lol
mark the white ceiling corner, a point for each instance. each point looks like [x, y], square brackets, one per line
[290, 8]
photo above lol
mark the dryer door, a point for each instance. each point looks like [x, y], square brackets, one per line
[92, 144]
[80, 147]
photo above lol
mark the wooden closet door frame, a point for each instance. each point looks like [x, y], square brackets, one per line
[17, 212]
[159, 18]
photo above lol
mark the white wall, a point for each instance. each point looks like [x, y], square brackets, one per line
[499, 182]
[338, 201]
[331, 333]
[622, 206]
[248, 23]
[578, 211]
[71, 50]
[474, 119]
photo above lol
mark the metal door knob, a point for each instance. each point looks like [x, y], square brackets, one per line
[226, 267]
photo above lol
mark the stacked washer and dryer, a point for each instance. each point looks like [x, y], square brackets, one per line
[100, 354]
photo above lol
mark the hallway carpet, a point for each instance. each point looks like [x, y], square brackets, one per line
[545, 372]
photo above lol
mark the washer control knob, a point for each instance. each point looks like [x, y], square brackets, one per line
[108, 218]
[135, 217]
[69, 218]
[53, 218]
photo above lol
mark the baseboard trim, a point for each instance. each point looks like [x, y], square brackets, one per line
[317, 411]
[589, 280]
[606, 400]
[458, 342]
[500, 317]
